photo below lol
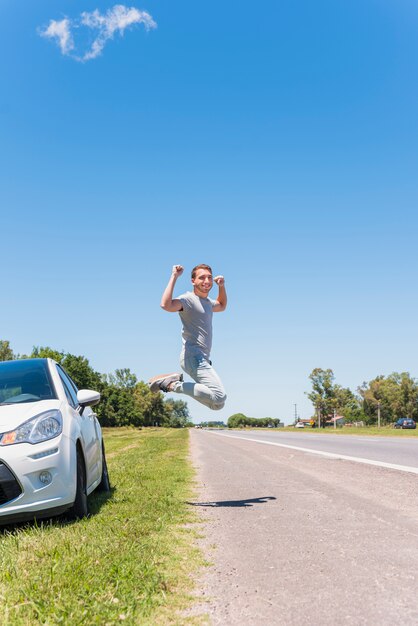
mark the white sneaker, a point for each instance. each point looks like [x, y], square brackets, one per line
[163, 381]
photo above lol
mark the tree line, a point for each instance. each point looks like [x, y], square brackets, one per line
[125, 400]
[394, 396]
[238, 420]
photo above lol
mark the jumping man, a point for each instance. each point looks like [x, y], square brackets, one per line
[195, 309]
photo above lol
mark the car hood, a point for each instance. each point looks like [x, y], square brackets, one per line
[12, 415]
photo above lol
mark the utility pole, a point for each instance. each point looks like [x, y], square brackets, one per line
[335, 419]
[378, 413]
[296, 413]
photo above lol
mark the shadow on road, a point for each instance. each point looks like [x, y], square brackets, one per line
[248, 502]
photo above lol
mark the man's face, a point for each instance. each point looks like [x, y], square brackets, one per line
[202, 282]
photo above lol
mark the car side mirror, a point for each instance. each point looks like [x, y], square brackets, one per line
[87, 397]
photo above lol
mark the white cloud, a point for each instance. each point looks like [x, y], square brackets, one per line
[61, 31]
[115, 21]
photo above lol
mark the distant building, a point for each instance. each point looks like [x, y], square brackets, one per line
[306, 422]
[338, 419]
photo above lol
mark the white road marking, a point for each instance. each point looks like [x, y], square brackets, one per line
[331, 455]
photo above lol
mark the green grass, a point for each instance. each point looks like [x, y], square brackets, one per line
[131, 562]
[384, 431]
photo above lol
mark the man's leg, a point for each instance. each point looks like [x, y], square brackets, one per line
[208, 388]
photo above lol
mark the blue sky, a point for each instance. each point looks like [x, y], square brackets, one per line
[276, 142]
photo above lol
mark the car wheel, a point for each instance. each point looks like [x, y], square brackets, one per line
[80, 507]
[104, 484]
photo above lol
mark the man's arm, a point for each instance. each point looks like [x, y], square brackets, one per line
[221, 299]
[167, 302]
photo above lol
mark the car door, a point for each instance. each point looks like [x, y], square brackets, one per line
[88, 427]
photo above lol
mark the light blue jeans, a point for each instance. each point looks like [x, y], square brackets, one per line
[208, 388]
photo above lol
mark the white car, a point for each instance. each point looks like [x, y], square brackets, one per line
[51, 448]
[299, 425]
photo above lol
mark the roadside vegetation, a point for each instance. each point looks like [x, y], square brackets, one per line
[239, 419]
[381, 401]
[387, 398]
[383, 431]
[373, 431]
[125, 400]
[130, 562]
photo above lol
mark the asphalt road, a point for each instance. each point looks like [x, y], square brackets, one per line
[399, 452]
[298, 538]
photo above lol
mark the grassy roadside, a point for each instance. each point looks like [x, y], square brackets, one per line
[384, 431]
[129, 563]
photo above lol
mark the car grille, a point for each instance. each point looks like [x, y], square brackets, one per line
[9, 487]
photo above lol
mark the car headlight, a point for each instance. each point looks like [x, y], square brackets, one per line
[39, 428]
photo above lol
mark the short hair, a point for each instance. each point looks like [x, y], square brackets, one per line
[202, 266]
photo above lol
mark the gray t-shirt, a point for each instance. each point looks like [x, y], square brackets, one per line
[196, 318]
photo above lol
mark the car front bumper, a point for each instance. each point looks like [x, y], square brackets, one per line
[36, 480]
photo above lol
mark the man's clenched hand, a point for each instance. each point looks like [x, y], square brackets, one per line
[219, 280]
[177, 270]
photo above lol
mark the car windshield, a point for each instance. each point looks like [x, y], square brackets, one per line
[26, 380]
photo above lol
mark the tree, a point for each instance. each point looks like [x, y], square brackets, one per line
[408, 395]
[119, 405]
[396, 394]
[237, 420]
[122, 378]
[348, 404]
[323, 394]
[78, 367]
[178, 413]
[45, 352]
[80, 370]
[327, 397]
[119, 408]
[150, 405]
[6, 353]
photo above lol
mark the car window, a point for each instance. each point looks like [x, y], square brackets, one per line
[70, 398]
[70, 380]
[25, 380]
[69, 387]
